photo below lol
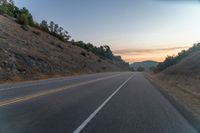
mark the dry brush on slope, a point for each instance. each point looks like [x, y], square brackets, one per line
[182, 80]
[29, 53]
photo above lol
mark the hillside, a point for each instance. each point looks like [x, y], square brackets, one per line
[29, 53]
[190, 66]
[181, 78]
[185, 74]
[145, 64]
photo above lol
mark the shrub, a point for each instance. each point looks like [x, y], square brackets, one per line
[22, 19]
[25, 27]
[3, 9]
[83, 53]
[132, 69]
[37, 32]
[7, 8]
[140, 69]
[99, 60]
[153, 69]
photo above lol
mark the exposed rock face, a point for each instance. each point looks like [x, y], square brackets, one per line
[31, 53]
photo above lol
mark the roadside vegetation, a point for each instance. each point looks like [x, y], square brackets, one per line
[24, 17]
[172, 60]
[140, 69]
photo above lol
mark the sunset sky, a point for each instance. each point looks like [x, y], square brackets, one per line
[135, 29]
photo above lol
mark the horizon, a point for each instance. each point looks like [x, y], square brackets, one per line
[136, 30]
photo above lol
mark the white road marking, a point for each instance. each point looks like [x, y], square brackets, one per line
[84, 124]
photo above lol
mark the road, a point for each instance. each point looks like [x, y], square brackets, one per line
[121, 102]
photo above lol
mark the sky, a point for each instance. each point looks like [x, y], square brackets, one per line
[137, 30]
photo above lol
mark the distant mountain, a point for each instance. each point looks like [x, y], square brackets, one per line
[145, 64]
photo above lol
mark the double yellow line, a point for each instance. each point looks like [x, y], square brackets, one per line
[43, 93]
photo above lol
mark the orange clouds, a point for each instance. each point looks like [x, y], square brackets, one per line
[135, 55]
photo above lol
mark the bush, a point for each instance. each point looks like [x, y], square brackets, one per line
[22, 19]
[83, 53]
[99, 60]
[104, 52]
[3, 9]
[25, 27]
[132, 69]
[153, 69]
[7, 9]
[140, 69]
[37, 32]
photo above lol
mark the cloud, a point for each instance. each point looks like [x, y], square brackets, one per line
[141, 51]
[137, 55]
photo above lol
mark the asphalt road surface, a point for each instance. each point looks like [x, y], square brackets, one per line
[122, 102]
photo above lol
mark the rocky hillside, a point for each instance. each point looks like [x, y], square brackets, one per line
[28, 53]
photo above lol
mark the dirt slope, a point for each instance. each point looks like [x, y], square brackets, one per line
[182, 81]
[190, 66]
[25, 52]
[185, 74]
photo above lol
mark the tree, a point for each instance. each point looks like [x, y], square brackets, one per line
[3, 8]
[44, 26]
[51, 26]
[29, 16]
[7, 7]
[7, 2]
[108, 52]
[60, 31]
[22, 19]
[56, 26]
[66, 36]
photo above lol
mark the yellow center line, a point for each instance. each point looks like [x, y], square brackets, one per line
[28, 97]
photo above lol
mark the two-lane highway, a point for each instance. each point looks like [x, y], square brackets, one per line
[105, 103]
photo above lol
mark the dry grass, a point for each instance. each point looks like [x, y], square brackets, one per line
[179, 90]
[182, 81]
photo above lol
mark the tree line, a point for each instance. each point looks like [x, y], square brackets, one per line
[103, 52]
[24, 17]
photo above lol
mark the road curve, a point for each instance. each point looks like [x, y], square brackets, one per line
[98, 103]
